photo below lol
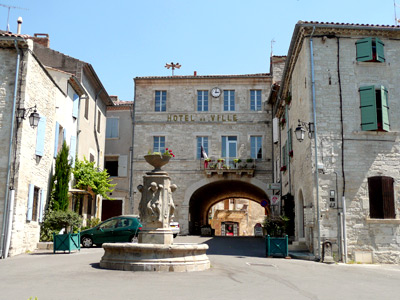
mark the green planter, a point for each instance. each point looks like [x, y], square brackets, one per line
[277, 246]
[66, 242]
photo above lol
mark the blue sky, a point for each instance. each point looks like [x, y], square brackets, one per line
[126, 39]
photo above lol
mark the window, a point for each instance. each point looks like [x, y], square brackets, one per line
[256, 147]
[255, 100]
[159, 144]
[202, 100]
[87, 108]
[374, 108]
[98, 121]
[381, 197]
[60, 136]
[75, 107]
[112, 128]
[40, 136]
[229, 146]
[161, 101]
[36, 203]
[91, 157]
[229, 100]
[202, 141]
[111, 165]
[370, 49]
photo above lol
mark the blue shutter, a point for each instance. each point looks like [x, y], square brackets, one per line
[30, 202]
[56, 140]
[364, 49]
[369, 120]
[40, 136]
[75, 106]
[64, 134]
[41, 207]
[72, 150]
[385, 109]
[380, 55]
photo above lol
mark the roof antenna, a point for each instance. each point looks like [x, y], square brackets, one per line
[272, 46]
[173, 66]
[8, 16]
[396, 21]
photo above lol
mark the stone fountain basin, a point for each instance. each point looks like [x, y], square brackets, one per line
[155, 257]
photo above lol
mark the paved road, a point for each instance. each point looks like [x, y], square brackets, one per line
[239, 271]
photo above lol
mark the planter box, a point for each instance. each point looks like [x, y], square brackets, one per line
[66, 242]
[277, 246]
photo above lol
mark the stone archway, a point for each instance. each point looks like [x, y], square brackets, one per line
[200, 196]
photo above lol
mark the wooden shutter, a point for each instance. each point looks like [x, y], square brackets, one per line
[112, 127]
[275, 130]
[380, 55]
[75, 106]
[56, 140]
[364, 49]
[30, 202]
[388, 198]
[369, 120]
[40, 136]
[290, 140]
[381, 197]
[122, 166]
[41, 207]
[385, 109]
[284, 154]
[72, 150]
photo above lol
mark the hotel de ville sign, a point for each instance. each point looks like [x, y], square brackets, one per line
[202, 118]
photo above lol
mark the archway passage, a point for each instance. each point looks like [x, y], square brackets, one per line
[206, 196]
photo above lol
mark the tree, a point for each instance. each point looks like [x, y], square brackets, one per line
[59, 198]
[88, 177]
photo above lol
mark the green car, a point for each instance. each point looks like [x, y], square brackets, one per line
[114, 230]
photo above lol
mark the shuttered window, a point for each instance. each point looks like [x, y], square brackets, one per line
[381, 197]
[112, 128]
[374, 108]
[123, 166]
[40, 136]
[370, 49]
[75, 107]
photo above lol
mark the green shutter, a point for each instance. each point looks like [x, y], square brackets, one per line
[369, 120]
[284, 153]
[380, 55]
[385, 109]
[290, 140]
[364, 49]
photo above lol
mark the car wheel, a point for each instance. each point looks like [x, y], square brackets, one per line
[134, 239]
[175, 235]
[87, 242]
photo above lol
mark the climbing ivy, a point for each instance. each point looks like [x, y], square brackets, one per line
[88, 177]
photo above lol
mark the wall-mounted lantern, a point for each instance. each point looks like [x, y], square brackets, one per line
[34, 117]
[300, 131]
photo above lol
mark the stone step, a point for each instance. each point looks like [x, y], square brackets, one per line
[44, 246]
[298, 246]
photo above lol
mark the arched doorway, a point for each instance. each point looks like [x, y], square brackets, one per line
[209, 193]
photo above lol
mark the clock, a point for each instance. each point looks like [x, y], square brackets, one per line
[215, 92]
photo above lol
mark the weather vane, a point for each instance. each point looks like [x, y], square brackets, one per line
[173, 66]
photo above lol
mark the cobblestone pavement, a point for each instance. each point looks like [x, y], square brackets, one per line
[239, 270]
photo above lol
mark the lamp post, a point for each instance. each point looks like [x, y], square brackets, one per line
[34, 117]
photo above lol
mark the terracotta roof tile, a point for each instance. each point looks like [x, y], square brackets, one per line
[206, 76]
[348, 24]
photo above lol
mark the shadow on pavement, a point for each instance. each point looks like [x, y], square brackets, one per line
[237, 246]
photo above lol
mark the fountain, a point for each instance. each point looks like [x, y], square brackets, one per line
[156, 250]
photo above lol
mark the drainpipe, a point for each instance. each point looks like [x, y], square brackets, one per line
[6, 216]
[131, 152]
[315, 142]
[95, 127]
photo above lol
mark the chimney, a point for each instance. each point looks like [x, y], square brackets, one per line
[42, 39]
[195, 73]
[19, 21]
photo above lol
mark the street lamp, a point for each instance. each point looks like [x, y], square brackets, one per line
[300, 131]
[34, 117]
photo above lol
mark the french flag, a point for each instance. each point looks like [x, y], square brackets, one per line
[203, 153]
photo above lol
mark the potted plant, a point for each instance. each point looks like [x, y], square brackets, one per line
[291, 153]
[283, 169]
[220, 162]
[206, 162]
[283, 122]
[276, 238]
[158, 159]
[237, 161]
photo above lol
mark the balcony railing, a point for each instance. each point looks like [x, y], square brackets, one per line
[228, 165]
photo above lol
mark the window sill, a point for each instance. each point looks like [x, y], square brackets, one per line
[371, 63]
[383, 221]
[377, 135]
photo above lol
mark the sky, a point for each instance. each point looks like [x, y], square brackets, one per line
[133, 38]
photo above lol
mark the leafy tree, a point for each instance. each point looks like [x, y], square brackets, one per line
[88, 177]
[61, 178]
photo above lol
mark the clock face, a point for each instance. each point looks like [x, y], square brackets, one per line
[215, 92]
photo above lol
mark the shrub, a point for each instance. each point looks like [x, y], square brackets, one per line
[56, 220]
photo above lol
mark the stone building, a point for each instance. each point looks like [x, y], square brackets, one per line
[118, 156]
[29, 86]
[342, 181]
[227, 116]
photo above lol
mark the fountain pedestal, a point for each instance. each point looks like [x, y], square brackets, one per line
[155, 250]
